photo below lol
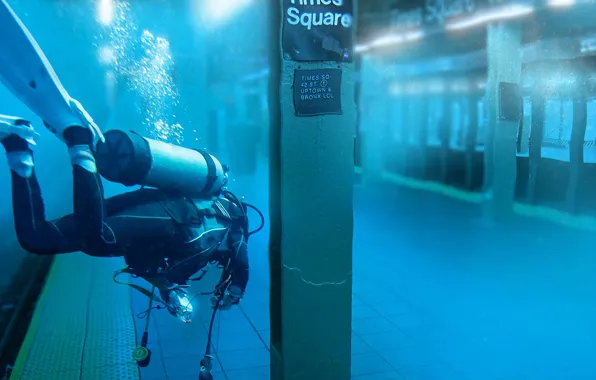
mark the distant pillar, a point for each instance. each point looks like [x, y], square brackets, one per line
[357, 93]
[188, 44]
[400, 117]
[373, 123]
[264, 109]
[576, 146]
[445, 131]
[243, 133]
[211, 133]
[504, 66]
[424, 122]
[311, 187]
[535, 142]
[406, 133]
[471, 137]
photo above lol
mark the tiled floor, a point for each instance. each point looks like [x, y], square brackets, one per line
[438, 294]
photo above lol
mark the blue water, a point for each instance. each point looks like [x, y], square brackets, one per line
[439, 293]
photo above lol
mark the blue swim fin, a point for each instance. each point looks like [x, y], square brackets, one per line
[27, 73]
[14, 125]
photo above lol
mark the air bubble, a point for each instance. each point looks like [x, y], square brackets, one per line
[150, 76]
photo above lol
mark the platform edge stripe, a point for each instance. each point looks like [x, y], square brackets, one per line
[582, 222]
[33, 327]
[434, 187]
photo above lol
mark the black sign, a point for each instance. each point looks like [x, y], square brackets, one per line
[317, 92]
[318, 30]
[510, 102]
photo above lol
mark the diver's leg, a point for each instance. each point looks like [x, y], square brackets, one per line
[135, 229]
[35, 234]
[97, 237]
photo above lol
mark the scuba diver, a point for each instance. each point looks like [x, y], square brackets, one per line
[179, 222]
[165, 234]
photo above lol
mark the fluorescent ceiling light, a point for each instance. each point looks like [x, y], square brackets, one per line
[560, 3]
[218, 12]
[391, 39]
[105, 11]
[360, 48]
[502, 13]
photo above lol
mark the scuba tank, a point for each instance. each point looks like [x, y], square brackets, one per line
[131, 159]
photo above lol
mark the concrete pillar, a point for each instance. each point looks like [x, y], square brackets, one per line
[212, 142]
[374, 98]
[189, 48]
[535, 143]
[241, 113]
[406, 132]
[445, 130]
[423, 135]
[520, 129]
[393, 140]
[242, 133]
[219, 95]
[526, 126]
[357, 97]
[576, 148]
[264, 109]
[311, 221]
[504, 65]
[470, 138]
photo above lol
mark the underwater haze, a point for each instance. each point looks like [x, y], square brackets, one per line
[441, 291]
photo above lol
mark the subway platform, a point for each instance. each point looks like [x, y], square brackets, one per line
[439, 293]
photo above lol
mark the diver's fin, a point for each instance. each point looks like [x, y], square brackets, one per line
[14, 125]
[26, 72]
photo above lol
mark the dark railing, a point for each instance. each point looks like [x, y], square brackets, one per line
[17, 304]
[556, 143]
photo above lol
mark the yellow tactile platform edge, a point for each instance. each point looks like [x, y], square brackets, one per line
[82, 327]
[541, 212]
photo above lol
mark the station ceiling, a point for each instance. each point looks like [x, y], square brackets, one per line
[375, 21]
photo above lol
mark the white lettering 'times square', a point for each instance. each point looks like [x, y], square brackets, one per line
[308, 19]
[338, 3]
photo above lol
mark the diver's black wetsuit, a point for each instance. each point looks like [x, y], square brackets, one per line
[143, 226]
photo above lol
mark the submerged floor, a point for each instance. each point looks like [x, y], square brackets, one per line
[438, 294]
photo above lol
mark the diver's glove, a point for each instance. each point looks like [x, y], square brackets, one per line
[231, 297]
[12, 125]
[80, 117]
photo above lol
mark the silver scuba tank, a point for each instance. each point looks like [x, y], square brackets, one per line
[131, 159]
